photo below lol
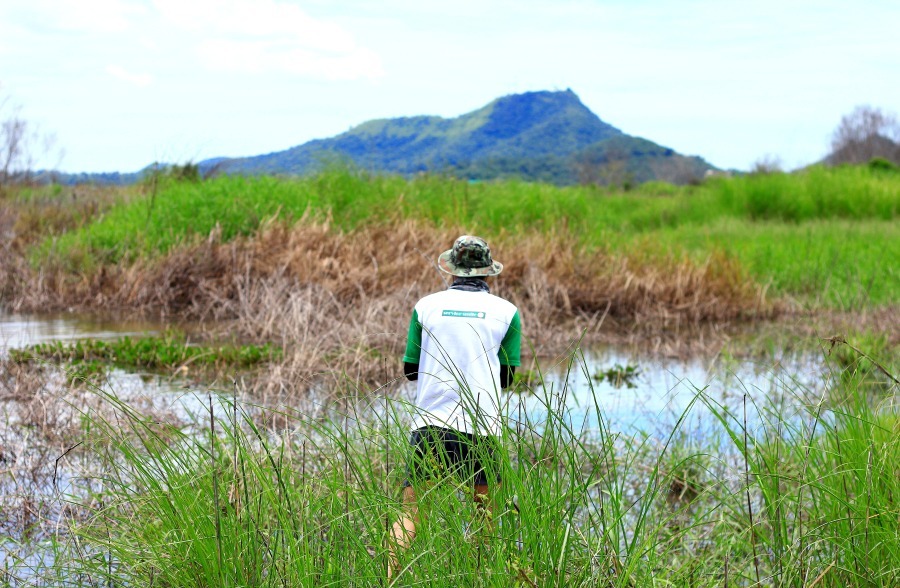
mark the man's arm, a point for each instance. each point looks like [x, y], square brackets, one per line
[413, 348]
[510, 351]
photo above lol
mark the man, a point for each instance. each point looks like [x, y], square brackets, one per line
[463, 347]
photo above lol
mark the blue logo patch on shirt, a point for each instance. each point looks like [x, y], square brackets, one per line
[464, 314]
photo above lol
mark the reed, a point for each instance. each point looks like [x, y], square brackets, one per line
[183, 211]
[201, 280]
[819, 238]
[803, 495]
[822, 237]
[339, 302]
[48, 479]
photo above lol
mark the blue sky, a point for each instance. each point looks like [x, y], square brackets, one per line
[123, 83]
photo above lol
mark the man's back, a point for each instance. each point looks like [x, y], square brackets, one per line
[464, 337]
[462, 347]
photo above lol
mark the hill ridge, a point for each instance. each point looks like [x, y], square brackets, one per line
[547, 136]
[537, 136]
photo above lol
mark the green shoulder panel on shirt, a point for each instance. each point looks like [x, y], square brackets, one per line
[511, 346]
[413, 340]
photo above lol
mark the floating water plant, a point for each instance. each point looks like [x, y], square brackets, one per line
[619, 375]
[169, 352]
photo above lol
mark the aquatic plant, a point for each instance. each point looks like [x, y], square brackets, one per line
[797, 499]
[618, 375]
[171, 351]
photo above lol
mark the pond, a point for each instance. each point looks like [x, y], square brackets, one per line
[661, 392]
[19, 331]
[634, 391]
[627, 392]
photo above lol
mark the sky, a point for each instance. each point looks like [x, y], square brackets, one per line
[120, 84]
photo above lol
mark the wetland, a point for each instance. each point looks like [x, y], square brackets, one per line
[208, 373]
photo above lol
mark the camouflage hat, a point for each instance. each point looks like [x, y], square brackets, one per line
[470, 256]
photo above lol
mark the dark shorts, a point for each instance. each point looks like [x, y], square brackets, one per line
[437, 452]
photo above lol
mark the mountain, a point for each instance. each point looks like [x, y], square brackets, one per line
[536, 136]
[543, 136]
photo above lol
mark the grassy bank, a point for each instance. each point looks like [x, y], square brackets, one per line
[328, 267]
[790, 231]
[818, 264]
[323, 272]
[181, 210]
[806, 497]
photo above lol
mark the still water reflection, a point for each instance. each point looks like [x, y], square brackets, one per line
[21, 330]
[666, 391]
[661, 389]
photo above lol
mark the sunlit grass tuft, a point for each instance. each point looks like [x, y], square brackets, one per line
[770, 496]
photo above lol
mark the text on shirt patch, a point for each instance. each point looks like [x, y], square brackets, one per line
[464, 314]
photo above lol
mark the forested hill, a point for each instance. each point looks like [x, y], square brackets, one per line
[543, 136]
[536, 136]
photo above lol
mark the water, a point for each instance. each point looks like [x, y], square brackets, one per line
[665, 392]
[17, 331]
[38, 427]
[654, 399]
[661, 392]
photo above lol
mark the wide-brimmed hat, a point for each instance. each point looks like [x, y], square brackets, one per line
[470, 257]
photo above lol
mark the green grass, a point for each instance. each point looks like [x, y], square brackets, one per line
[795, 500]
[838, 263]
[168, 352]
[825, 236]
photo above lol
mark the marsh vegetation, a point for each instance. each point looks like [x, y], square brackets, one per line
[292, 299]
[243, 494]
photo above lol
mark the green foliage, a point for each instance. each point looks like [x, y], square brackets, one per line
[178, 214]
[187, 172]
[171, 351]
[815, 193]
[820, 487]
[882, 164]
[835, 263]
[619, 375]
[625, 162]
[868, 363]
[797, 497]
[826, 235]
[90, 371]
[47, 210]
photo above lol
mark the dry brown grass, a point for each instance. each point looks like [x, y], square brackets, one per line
[52, 210]
[549, 276]
[47, 211]
[339, 302]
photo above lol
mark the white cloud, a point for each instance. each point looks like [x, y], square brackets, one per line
[148, 43]
[91, 16]
[256, 36]
[264, 57]
[140, 80]
[255, 18]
